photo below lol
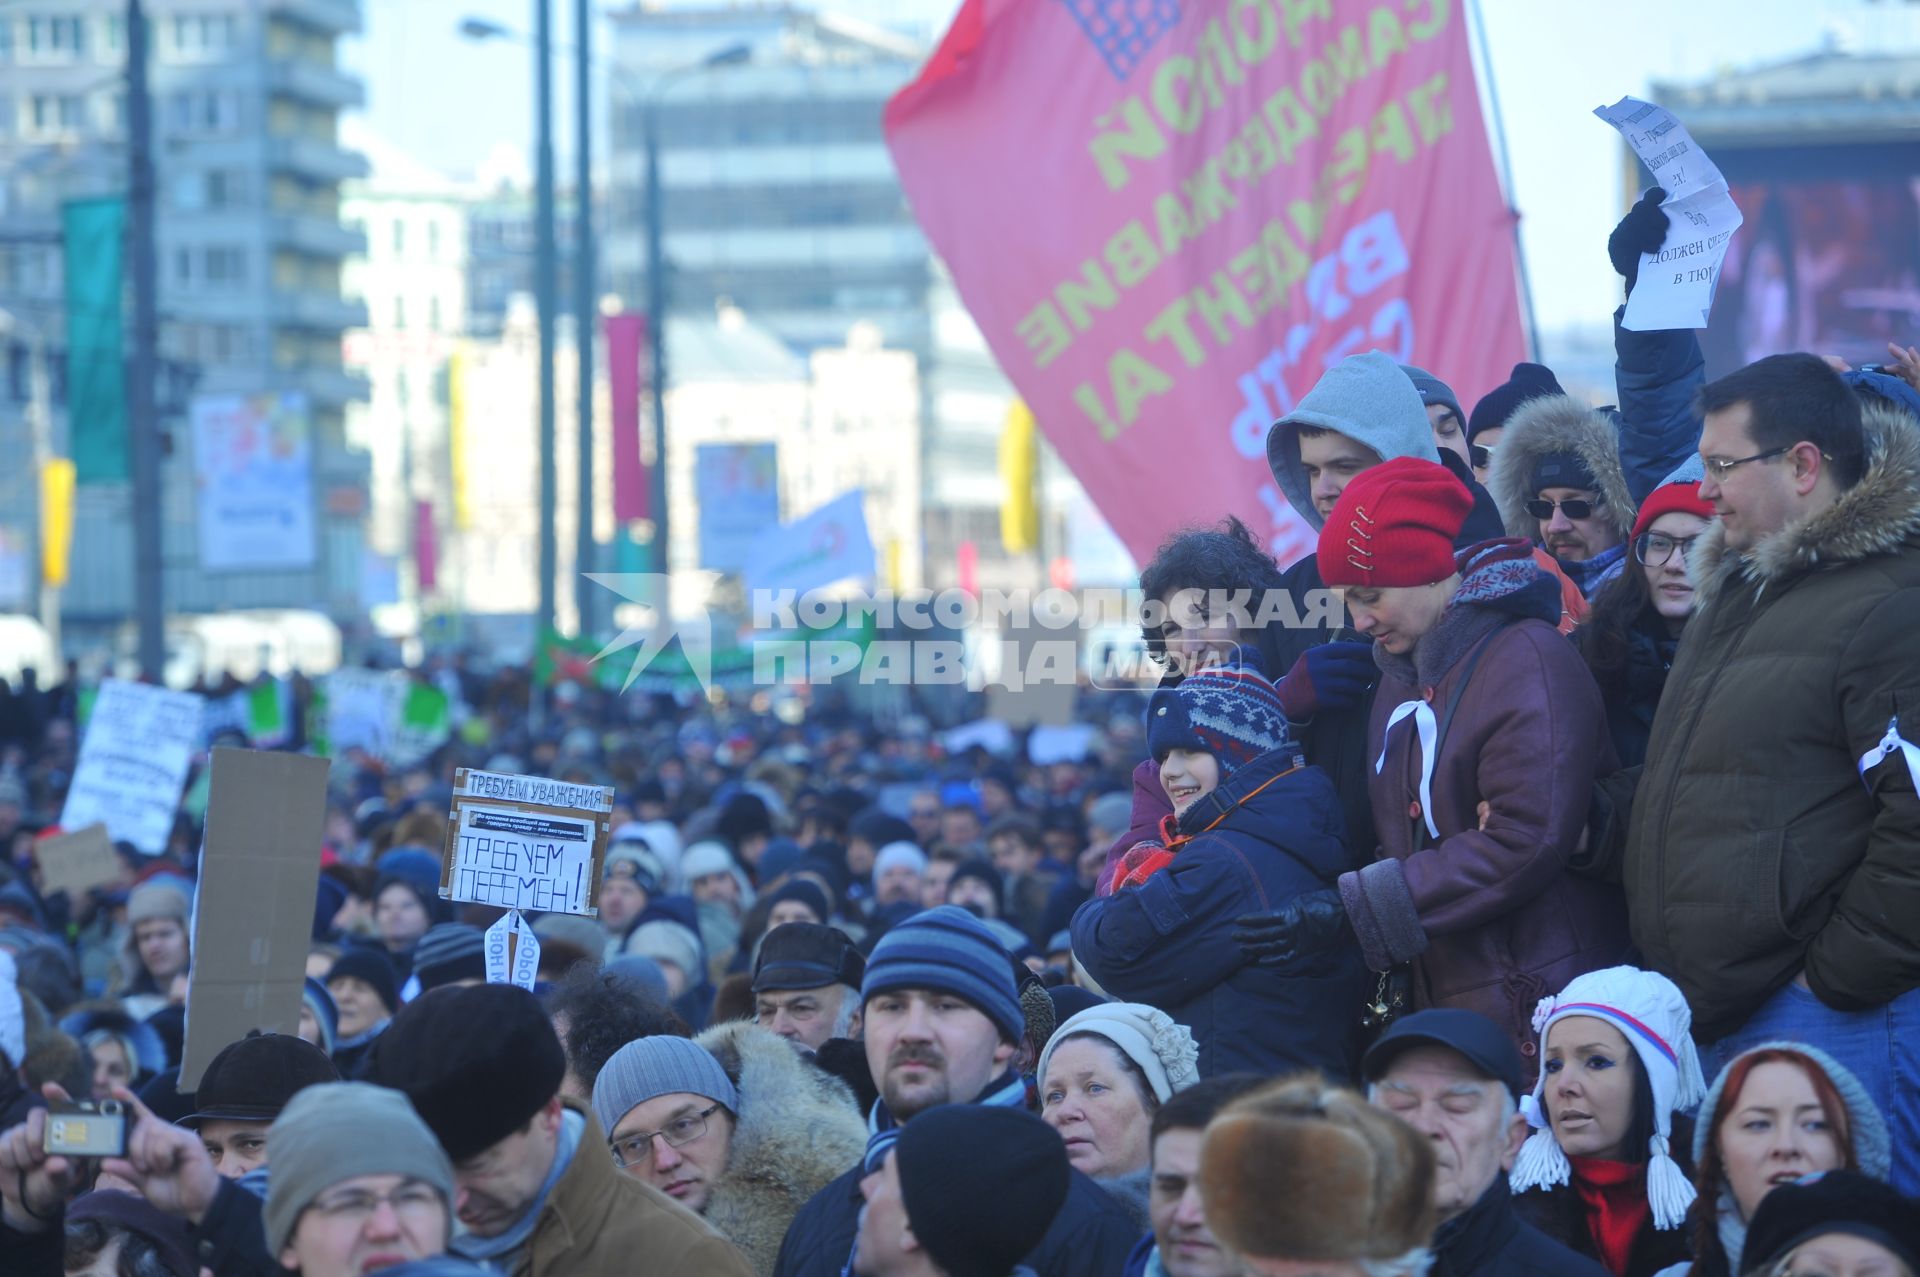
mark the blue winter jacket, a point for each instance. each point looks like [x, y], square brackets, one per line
[1656, 375]
[1169, 943]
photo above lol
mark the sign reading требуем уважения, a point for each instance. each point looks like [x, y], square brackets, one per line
[521, 842]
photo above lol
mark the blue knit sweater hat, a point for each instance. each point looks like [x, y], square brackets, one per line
[1228, 710]
[1872, 1148]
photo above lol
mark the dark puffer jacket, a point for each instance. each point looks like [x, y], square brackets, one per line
[1270, 834]
[1491, 1240]
[1751, 845]
[1491, 915]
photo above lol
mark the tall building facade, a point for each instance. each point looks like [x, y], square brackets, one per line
[248, 165]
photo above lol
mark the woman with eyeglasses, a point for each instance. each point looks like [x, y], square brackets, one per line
[1630, 637]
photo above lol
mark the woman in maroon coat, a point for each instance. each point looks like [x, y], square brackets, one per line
[1487, 733]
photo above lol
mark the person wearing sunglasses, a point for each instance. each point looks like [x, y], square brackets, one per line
[1558, 480]
[1633, 632]
[1766, 844]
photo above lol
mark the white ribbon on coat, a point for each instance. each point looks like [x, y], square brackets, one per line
[1890, 744]
[1428, 728]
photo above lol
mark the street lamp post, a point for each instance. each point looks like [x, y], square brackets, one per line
[584, 310]
[143, 425]
[546, 291]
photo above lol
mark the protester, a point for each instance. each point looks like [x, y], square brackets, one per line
[632, 878]
[1181, 1244]
[1103, 1076]
[1633, 632]
[1775, 1113]
[1835, 1222]
[942, 1023]
[1605, 1170]
[1300, 1176]
[403, 910]
[676, 948]
[450, 953]
[806, 985]
[244, 1088]
[1487, 424]
[115, 1232]
[483, 1068]
[1014, 843]
[1487, 733]
[1559, 484]
[961, 1194]
[1253, 825]
[976, 886]
[1456, 1079]
[798, 900]
[1765, 844]
[744, 1146]
[899, 874]
[366, 993]
[156, 948]
[596, 1012]
[319, 1015]
[123, 1051]
[1443, 411]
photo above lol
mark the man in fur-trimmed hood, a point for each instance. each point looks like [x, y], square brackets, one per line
[773, 1129]
[1767, 845]
[1558, 481]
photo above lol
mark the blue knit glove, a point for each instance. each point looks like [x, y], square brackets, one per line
[1330, 676]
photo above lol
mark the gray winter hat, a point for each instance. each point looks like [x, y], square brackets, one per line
[1434, 391]
[1364, 397]
[1872, 1148]
[340, 1130]
[650, 1067]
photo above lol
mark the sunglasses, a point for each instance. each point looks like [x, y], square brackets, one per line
[1480, 454]
[1541, 508]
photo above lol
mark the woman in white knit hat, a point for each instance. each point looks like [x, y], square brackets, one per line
[1599, 1175]
[1103, 1075]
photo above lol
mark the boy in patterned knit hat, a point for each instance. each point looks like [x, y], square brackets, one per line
[1251, 822]
[1202, 731]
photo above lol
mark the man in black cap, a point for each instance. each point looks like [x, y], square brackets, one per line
[537, 1193]
[366, 991]
[806, 984]
[244, 1088]
[966, 1192]
[1456, 1077]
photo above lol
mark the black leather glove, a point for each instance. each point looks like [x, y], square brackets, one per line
[1293, 938]
[1642, 230]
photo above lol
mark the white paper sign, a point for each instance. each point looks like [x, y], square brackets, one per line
[1675, 286]
[522, 860]
[359, 710]
[509, 962]
[814, 551]
[535, 789]
[133, 763]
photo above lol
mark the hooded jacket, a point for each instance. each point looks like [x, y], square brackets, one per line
[1561, 424]
[1491, 914]
[1755, 847]
[796, 1130]
[1268, 835]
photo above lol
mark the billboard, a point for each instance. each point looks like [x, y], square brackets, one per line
[737, 487]
[253, 479]
[1829, 259]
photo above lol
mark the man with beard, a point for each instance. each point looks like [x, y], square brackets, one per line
[942, 1023]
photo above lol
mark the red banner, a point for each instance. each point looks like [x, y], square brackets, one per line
[1168, 219]
[426, 548]
[626, 334]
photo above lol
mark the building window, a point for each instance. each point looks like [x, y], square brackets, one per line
[399, 237]
[113, 35]
[183, 267]
[203, 35]
[226, 266]
[433, 239]
[433, 314]
[53, 113]
[53, 39]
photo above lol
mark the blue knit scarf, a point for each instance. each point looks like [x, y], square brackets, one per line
[1008, 1091]
[502, 1253]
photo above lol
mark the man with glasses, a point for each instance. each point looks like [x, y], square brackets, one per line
[1768, 843]
[745, 1149]
[483, 1067]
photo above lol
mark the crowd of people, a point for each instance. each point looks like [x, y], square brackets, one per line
[1550, 905]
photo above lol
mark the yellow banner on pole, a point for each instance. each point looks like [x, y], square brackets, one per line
[457, 373]
[56, 520]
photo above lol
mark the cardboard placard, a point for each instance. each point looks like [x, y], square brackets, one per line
[253, 914]
[523, 842]
[76, 862]
[133, 763]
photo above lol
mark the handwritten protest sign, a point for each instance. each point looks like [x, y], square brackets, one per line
[133, 762]
[513, 952]
[1169, 220]
[1676, 285]
[523, 842]
[76, 862]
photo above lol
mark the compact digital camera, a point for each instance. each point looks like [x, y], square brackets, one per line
[81, 1128]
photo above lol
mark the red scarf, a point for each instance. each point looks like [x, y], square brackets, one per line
[1615, 1195]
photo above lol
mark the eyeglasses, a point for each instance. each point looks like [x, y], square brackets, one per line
[1480, 454]
[1655, 548]
[1540, 508]
[357, 1205]
[637, 1149]
[1720, 469]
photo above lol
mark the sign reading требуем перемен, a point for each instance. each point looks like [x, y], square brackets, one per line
[521, 842]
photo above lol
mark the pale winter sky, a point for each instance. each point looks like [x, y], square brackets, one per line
[449, 102]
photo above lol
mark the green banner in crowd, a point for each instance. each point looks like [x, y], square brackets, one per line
[91, 237]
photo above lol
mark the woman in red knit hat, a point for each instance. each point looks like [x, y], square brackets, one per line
[1484, 741]
[1631, 634]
